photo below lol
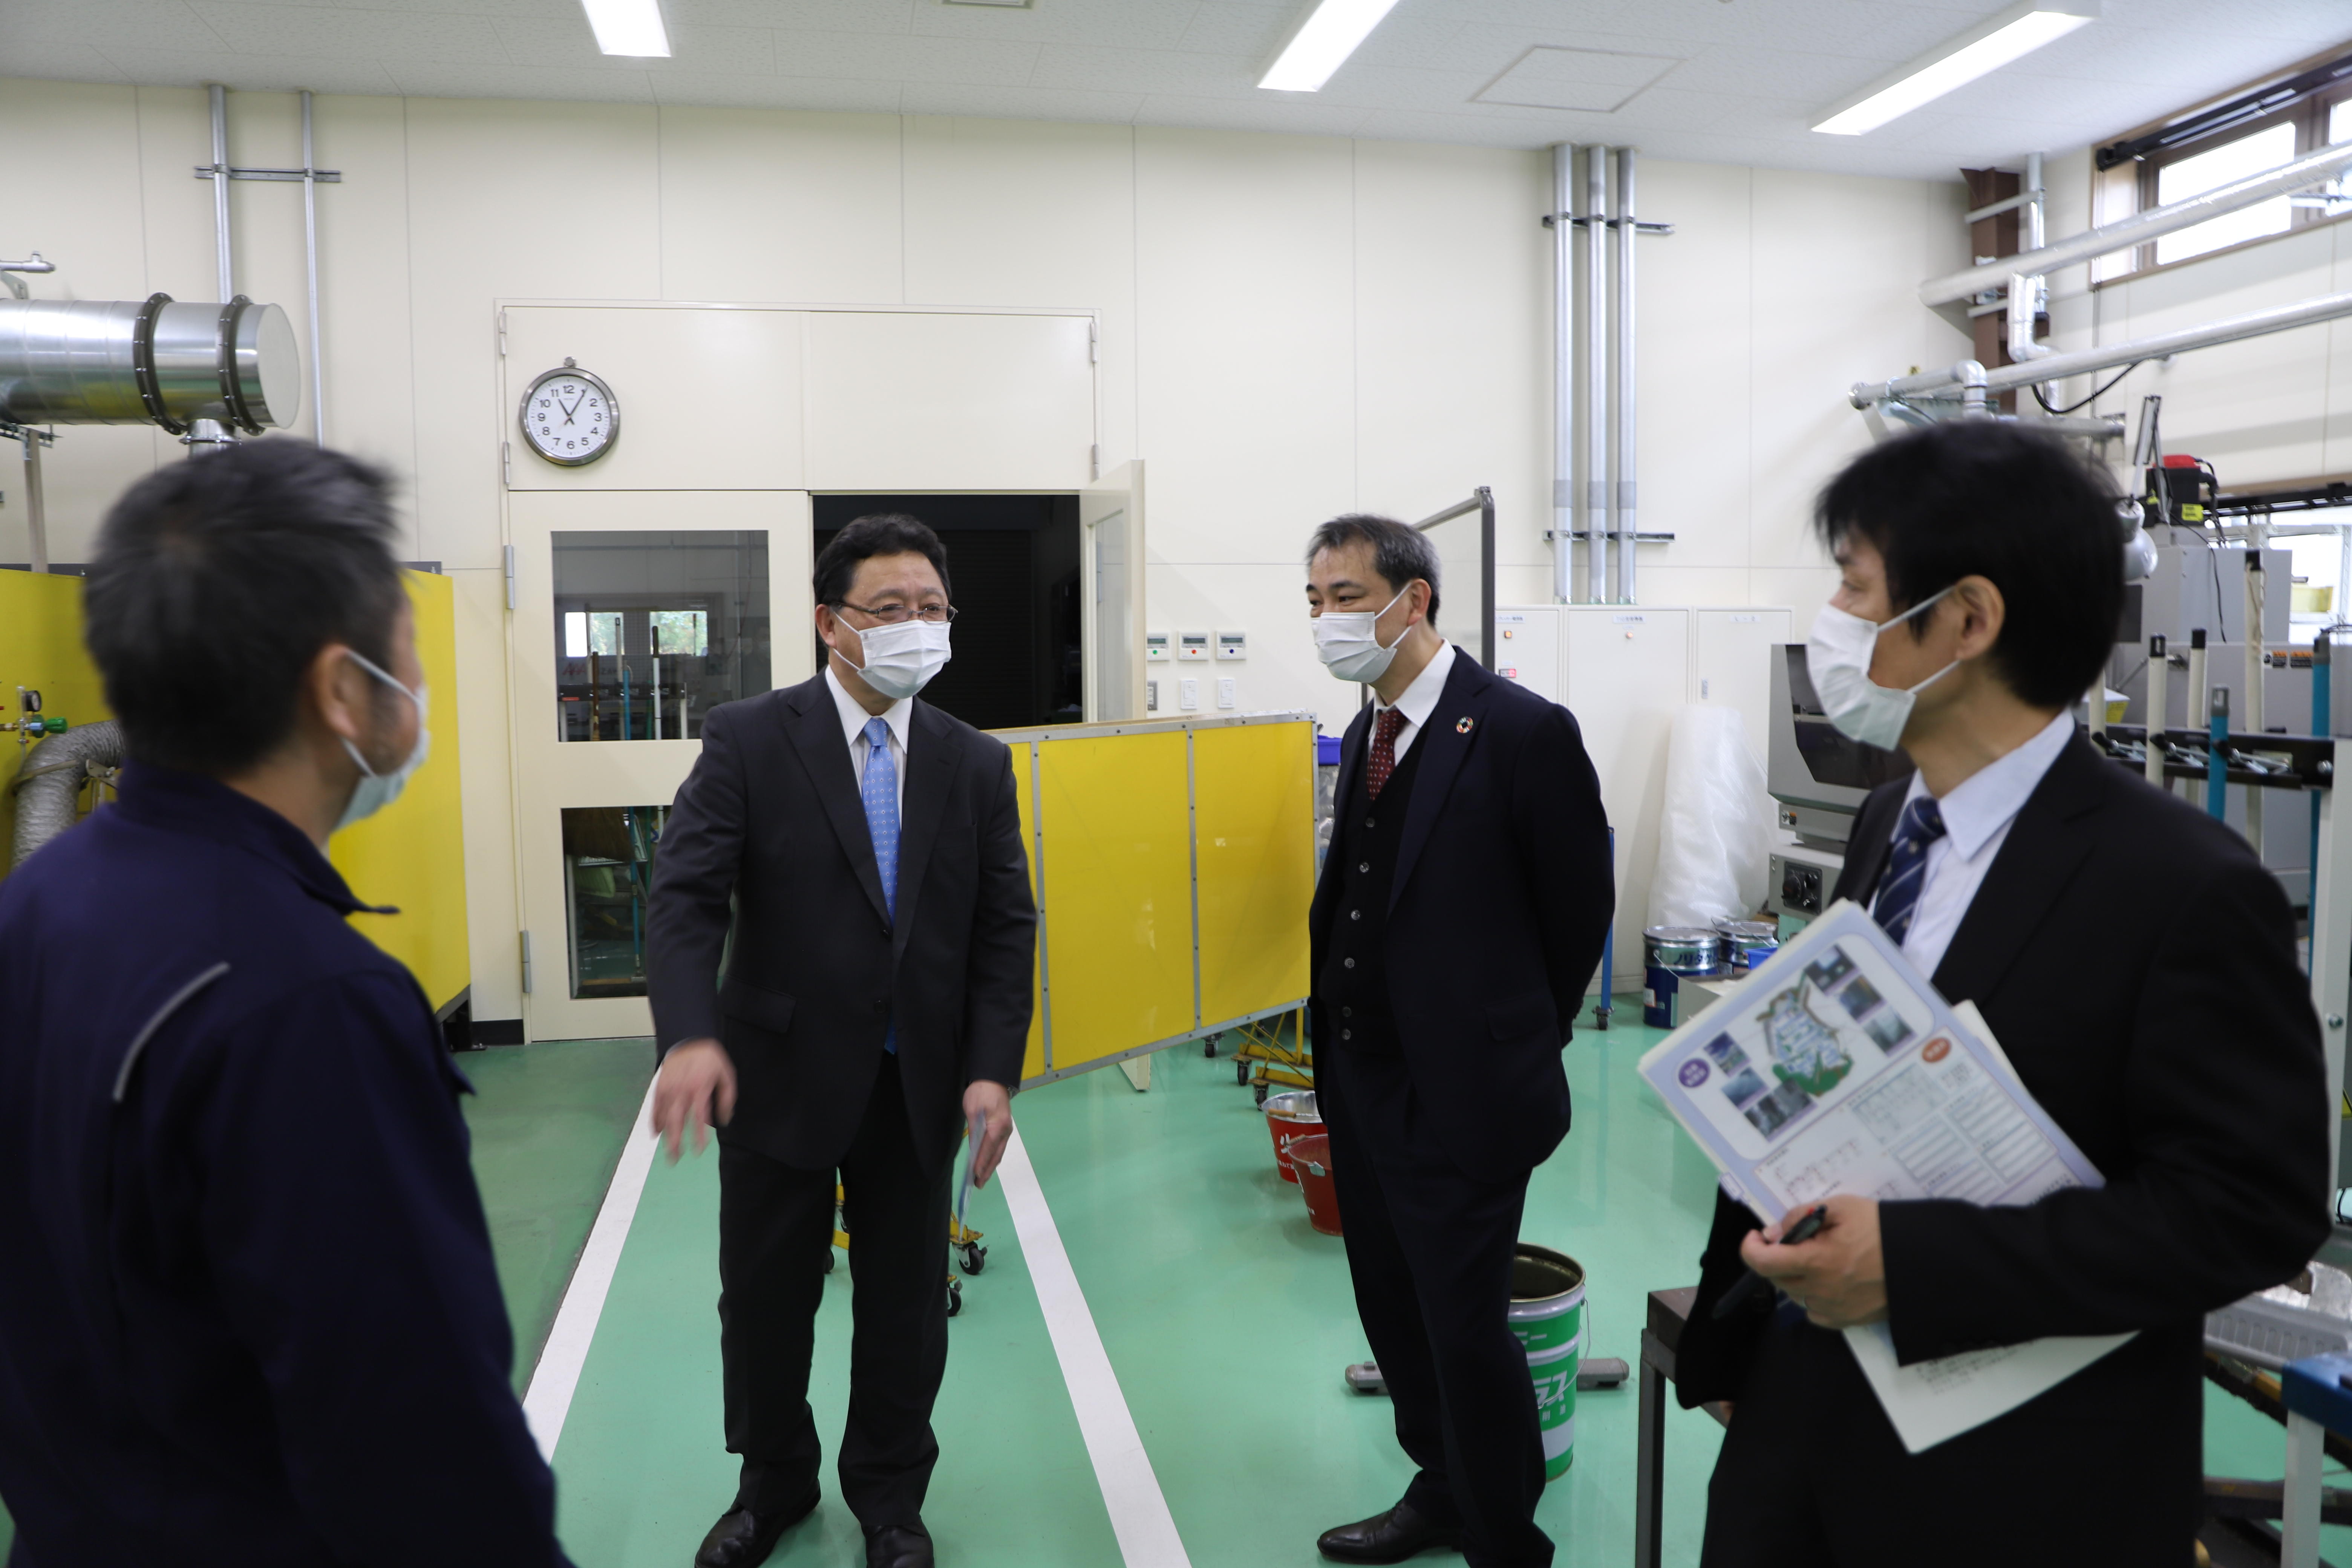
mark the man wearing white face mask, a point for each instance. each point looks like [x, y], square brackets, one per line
[249, 1313]
[864, 849]
[1459, 916]
[1981, 586]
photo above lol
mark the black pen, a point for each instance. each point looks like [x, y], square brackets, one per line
[1807, 1227]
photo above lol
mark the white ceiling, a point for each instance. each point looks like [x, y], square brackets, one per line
[1731, 81]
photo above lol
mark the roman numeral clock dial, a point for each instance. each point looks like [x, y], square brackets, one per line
[570, 417]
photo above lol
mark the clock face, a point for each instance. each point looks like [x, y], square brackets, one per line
[570, 417]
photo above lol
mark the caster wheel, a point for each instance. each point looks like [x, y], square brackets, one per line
[828, 1259]
[975, 1257]
[1260, 1094]
[1241, 1072]
[955, 1298]
[1209, 1046]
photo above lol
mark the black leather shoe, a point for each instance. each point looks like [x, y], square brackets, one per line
[742, 1539]
[898, 1546]
[1403, 1531]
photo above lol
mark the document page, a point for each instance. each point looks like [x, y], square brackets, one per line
[1838, 1068]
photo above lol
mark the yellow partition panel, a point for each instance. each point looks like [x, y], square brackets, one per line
[1254, 822]
[1024, 756]
[412, 854]
[40, 648]
[1118, 881]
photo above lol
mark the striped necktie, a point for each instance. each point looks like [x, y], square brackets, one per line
[1921, 825]
[1382, 762]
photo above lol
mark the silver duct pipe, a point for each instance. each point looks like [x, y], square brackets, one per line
[127, 362]
[48, 787]
[226, 253]
[2304, 173]
[1952, 382]
[1563, 373]
[1595, 510]
[1623, 399]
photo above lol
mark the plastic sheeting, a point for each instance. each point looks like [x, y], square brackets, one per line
[1714, 829]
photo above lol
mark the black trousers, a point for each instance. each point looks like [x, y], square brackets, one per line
[775, 1227]
[1430, 1250]
[1812, 1474]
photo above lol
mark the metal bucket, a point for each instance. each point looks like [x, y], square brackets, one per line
[1743, 938]
[1547, 1320]
[1683, 949]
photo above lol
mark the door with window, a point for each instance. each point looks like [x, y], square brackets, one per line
[635, 613]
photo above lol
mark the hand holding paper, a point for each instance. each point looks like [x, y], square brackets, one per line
[1838, 1276]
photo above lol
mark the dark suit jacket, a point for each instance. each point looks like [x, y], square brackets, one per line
[1503, 893]
[2139, 966]
[769, 837]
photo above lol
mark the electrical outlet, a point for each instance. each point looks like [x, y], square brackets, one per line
[1152, 697]
[1187, 694]
[1225, 696]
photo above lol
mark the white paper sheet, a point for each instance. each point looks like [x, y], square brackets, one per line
[1838, 1068]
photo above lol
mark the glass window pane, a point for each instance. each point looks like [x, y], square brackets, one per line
[2230, 161]
[655, 629]
[608, 867]
[2339, 123]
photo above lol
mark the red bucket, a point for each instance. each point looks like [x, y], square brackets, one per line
[1310, 1157]
[1290, 1116]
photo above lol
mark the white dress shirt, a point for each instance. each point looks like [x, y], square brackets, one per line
[1977, 816]
[853, 720]
[1417, 702]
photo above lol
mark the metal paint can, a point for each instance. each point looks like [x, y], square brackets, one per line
[1745, 940]
[1547, 1320]
[1685, 949]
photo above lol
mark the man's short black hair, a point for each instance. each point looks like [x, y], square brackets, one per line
[1400, 551]
[1982, 498]
[880, 533]
[218, 579]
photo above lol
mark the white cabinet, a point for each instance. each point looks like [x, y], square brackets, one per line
[1622, 670]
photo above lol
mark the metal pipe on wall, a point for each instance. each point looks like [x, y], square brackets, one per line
[311, 260]
[223, 249]
[2250, 710]
[36, 511]
[1595, 510]
[1563, 358]
[1621, 400]
[2304, 173]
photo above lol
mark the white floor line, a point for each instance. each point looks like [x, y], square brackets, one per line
[553, 1382]
[1130, 1490]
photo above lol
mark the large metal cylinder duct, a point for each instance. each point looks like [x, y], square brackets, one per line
[49, 787]
[122, 362]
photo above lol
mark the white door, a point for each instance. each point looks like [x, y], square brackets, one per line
[1626, 670]
[635, 613]
[1110, 517]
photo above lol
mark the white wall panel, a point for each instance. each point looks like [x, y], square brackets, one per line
[768, 205]
[936, 402]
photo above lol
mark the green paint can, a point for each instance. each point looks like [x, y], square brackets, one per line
[1548, 1317]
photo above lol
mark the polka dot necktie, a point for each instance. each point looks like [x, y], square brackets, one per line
[879, 791]
[1382, 762]
[1907, 868]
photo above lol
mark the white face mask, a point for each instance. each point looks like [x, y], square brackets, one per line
[1837, 657]
[901, 658]
[1349, 643]
[377, 790]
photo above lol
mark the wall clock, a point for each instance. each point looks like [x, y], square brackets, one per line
[570, 417]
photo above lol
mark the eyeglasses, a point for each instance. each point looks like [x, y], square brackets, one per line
[892, 614]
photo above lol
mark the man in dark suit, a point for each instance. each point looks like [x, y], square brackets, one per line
[1459, 916]
[2139, 965]
[864, 851]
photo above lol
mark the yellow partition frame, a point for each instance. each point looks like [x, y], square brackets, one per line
[40, 650]
[1173, 862]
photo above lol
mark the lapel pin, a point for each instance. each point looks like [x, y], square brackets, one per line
[1463, 727]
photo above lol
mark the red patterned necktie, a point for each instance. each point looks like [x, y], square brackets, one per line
[1382, 762]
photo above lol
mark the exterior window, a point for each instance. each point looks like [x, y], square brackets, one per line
[2193, 176]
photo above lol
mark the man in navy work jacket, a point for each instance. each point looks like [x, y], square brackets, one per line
[1982, 583]
[247, 1312]
[1459, 918]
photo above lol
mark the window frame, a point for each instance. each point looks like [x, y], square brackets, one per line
[2130, 187]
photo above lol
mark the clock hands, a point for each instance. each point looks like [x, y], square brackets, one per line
[573, 406]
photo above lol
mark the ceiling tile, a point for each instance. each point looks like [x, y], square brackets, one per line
[1232, 26]
[335, 34]
[50, 61]
[1547, 76]
[733, 51]
[103, 23]
[903, 58]
[1158, 25]
[283, 73]
[1142, 71]
[719, 90]
[440, 79]
[812, 16]
[1021, 103]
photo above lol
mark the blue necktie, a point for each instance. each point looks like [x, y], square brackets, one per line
[879, 790]
[1921, 825]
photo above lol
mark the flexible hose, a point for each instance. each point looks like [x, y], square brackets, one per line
[48, 787]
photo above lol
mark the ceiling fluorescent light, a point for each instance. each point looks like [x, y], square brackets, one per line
[628, 26]
[2010, 36]
[1323, 43]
